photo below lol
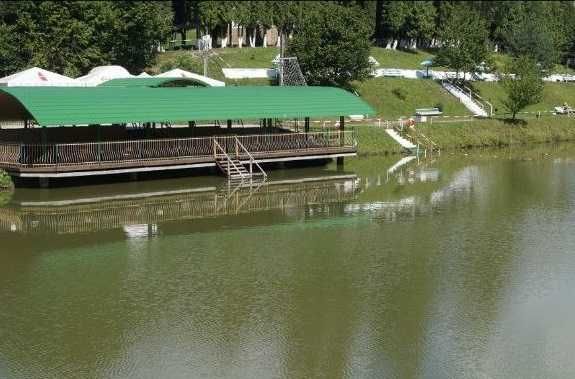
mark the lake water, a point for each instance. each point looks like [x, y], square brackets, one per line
[449, 267]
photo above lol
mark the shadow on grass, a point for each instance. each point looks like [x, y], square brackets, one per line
[514, 122]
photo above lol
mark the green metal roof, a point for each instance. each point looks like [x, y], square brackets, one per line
[150, 82]
[53, 106]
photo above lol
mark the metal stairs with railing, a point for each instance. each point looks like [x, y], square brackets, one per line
[404, 142]
[472, 101]
[234, 166]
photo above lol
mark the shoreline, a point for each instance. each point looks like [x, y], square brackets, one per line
[456, 137]
[465, 136]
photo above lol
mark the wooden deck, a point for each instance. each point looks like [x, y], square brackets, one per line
[89, 158]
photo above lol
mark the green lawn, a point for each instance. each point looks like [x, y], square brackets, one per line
[502, 60]
[479, 133]
[399, 58]
[221, 58]
[554, 94]
[396, 97]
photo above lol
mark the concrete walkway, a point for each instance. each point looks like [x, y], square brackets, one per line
[440, 75]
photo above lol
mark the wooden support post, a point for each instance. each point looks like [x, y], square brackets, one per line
[99, 142]
[306, 125]
[44, 141]
[229, 124]
[341, 140]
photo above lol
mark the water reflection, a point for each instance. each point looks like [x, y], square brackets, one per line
[138, 214]
[464, 270]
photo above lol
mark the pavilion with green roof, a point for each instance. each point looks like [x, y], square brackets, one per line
[141, 126]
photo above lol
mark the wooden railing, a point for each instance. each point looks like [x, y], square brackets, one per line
[31, 155]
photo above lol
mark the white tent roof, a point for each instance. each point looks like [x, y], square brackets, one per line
[144, 74]
[178, 73]
[37, 77]
[101, 74]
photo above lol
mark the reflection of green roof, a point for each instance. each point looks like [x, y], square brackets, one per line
[151, 82]
[113, 105]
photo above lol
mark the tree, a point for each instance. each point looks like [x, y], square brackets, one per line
[463, 39]
[141, 27]
[540, 30]
[332, 46]
[71, 37]
[285, 15]
[523, 85]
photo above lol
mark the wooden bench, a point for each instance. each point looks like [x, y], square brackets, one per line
[391, 72]
[428, 112]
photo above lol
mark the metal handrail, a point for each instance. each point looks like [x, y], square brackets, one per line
[229, 160]
[252, 160]
[472, 95]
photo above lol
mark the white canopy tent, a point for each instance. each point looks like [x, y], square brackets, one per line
[101, 74]
[144, 74]
[179, 73]
[34, 77]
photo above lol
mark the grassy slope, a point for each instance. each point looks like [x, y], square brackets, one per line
[400, 59]
[412, 60]
[554, 94]
[379, 94]
[481, 133]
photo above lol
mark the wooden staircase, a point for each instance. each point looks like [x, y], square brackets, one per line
[232, 166]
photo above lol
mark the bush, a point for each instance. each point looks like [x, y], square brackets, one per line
[399, 93]
[5, 180]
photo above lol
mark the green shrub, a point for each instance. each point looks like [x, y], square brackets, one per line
[5, 180]
[399, 93]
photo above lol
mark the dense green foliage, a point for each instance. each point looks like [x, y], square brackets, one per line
[524, 88]
[328, 51]
[464, 40]
[71, 37]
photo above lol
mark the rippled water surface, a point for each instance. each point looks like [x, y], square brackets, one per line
[451, 267]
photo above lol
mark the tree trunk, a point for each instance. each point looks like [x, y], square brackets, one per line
[252, 37]
[197, 18]
[388, 45]
[240, 36]
[264, 37]
[182, 36]
[224, 38]
[394, 45]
